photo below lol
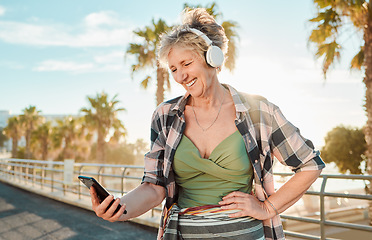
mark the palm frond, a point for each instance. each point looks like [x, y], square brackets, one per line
[323, 3]
[145, 82]
[330, 52]
[358, 60]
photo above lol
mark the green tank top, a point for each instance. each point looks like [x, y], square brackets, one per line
[205, 181]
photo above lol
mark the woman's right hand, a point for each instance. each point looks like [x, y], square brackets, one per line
[101, 208]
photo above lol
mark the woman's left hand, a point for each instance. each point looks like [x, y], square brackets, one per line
[247, 203]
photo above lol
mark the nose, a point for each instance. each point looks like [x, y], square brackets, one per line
[181, 76]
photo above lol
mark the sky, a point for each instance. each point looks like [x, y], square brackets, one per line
[53, 54]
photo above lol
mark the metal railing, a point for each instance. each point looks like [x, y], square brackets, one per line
[120, 179]
[117, 179]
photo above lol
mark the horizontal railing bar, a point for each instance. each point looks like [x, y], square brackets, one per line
[32, 161]
[109, 175]
[343, 195]
[305, 236]
[348, 225]
[301, 219]
[300, 235]
[333, 176]
[86, 173]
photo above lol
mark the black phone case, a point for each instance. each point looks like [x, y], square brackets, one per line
[102, 193]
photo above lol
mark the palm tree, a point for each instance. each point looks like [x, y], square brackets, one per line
[333, 21]
[13, 130]
[64, 136]
[102, 117]
[41, 139]
[146, 53]
[29, 119]
[230, 31]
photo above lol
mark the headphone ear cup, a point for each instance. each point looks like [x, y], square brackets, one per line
[214, 56]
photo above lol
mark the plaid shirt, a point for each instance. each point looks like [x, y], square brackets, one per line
[265, 131]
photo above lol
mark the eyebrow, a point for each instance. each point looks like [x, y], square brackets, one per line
[182, 62]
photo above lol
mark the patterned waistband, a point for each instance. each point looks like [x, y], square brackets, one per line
[210, 222]
[204, 210]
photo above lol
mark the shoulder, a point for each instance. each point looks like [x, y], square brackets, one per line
[247, 102]
[166, 110]
[255, 102]
[168, 106]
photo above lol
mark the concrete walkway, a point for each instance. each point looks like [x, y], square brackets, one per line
[24, 215]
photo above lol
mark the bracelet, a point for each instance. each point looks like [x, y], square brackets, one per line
[276, 211]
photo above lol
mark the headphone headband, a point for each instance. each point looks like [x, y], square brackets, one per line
[214, 55]
[202, 35]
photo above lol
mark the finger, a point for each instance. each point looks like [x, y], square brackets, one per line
[235, 194]
[120, 212]
[237, 214]
[232, 200]
[93, 197]
[101, 208]
[113, 207]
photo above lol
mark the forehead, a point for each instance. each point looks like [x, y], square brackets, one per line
[179, 54]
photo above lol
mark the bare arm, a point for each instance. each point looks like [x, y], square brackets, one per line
[285, 197]
[136, 202]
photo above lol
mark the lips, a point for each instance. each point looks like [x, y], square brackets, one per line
[191, 83]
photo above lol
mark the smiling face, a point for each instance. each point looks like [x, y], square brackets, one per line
[191, 71]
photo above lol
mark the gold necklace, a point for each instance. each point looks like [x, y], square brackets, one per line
[197, 122]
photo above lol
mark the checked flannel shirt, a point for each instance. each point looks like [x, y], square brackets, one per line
[266, 134]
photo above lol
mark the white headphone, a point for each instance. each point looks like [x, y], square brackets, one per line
[214, 55]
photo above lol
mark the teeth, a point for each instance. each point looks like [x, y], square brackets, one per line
[190, 83]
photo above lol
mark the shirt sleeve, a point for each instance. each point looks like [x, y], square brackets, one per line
[290, 147]
[154, 159]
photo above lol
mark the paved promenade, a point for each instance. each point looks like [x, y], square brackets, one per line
[26, 216]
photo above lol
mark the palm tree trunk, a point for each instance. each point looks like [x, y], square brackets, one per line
[368, 105]
[28, 140]
[67, 152]
[44, 154]
[100, 154]
[14, 147]
[160, 77]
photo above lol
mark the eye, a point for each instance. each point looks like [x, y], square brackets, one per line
[174, 69]
[188, 63]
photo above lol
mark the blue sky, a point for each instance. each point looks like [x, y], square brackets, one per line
[53, 54]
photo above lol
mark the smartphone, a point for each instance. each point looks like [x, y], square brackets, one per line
[102, 193]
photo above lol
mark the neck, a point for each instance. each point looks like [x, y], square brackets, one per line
[212, 98]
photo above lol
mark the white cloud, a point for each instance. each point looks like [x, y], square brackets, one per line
[53, 65]
[100, 63]
[108, 18]
[116, 56]
[2, 10]
[97, 30]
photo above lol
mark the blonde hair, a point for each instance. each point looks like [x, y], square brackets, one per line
[181, 36]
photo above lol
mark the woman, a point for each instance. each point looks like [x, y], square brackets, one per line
[208, 145]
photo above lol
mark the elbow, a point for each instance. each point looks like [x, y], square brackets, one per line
[157, 192]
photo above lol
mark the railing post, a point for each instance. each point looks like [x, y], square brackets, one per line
[33, 175]
[122, 180]
[42, 175]
[27, 170]
[322, 209]
[99, 174]
[79, 188]
[52, 177]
